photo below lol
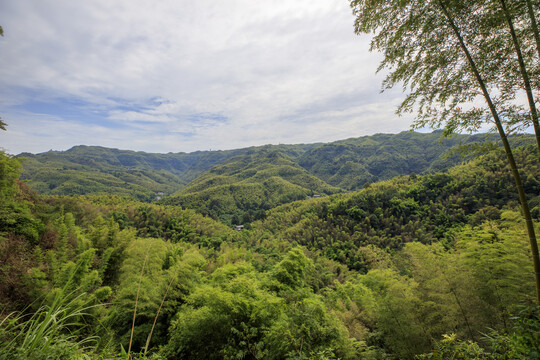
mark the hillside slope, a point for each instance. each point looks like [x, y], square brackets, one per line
[99, 170]
[391, 213]
[431, 255]
[347, 164]
[241, 189]
[351, 163]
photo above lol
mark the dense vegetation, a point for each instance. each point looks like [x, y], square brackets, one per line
[242, 189]
[239, 186]
[97, 170]
[350, 164]
[408, 208]
[432, 264]
[465, 64]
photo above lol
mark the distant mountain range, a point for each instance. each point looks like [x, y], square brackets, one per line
[237, 186]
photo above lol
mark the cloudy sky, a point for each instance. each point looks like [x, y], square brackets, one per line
[184, 75]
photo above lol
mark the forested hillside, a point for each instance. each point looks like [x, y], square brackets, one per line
[243, 188]
[98, 170]
[351, 163]
[423, 264]
[389, 214]
[347, 164]
[409, 246]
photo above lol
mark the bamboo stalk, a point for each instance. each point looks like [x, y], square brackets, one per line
[534, 26]
[524, 73]
[507, 149]
[136, 302]
[157, 314]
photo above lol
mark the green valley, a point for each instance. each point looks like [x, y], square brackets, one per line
[243, 188]
[99, 170]
[397, 270]
[239, 186]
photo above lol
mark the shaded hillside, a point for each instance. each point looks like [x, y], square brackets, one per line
[243, 188]
[94, 169]
[99, 170]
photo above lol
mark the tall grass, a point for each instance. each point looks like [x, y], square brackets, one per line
[53, 331]
[59, 329]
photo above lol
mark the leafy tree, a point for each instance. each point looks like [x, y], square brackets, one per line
[500, 35]
[353, 303]
[292, 270]
[307, 328]
[525, 71]
[395, 310]
[432, 48]
[10, 169]
[522, 343]
[226, 318]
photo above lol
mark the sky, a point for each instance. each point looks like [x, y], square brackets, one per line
[183, 75]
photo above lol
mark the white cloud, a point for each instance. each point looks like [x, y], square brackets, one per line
[187, 75]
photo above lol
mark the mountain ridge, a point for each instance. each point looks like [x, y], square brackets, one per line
[343, 165]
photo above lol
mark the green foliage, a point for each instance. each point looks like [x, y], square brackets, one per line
[277, 174]
[98, 170]
[459, 70]
[451, 348]
[428, 255]
[53, 331]
[389, 214]
[292, 270]
[522, 343]
[225, 319]
[151, 253]
[441, 50]
[15, 215]
[352, 163]
[9, 171]
[306, 330]
[245, 186]
[396, 302]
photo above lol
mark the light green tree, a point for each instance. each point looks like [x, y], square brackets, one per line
[140, 290]
[226, 318]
